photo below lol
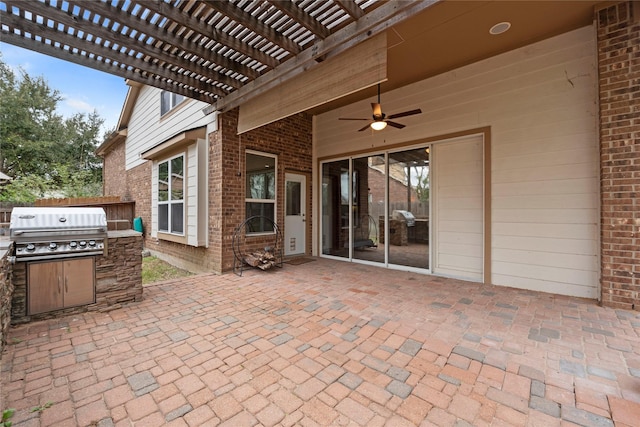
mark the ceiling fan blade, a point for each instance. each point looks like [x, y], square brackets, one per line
[364, 128]
[394, 124]
[350, 118]
[377, 109]
[405, 114]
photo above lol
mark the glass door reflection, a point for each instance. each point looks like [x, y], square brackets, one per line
[408, 215]
[369, 187]
[335, 208]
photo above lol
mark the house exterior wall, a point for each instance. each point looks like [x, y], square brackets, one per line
[619, 77]
[147, 128]
[539, 103]
[290, 139]
[114, 165]
[195, 164]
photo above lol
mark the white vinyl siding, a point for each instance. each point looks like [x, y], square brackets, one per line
[540, 103]
[197, 193]
[457, 201]
[147, 128]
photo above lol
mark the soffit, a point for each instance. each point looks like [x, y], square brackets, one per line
[451, 34]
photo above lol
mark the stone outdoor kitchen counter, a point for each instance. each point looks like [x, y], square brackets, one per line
[118, 279]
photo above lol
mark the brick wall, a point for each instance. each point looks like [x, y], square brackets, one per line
[618, 34]
[397, 190]
[134, 184]
[139, 189]
[290, 139]
[114, 176]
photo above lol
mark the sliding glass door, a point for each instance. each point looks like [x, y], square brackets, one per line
[375, 208]
[368, 209]
[336, 203]
[408, 215]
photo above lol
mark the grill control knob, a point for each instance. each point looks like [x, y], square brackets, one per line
[92, 242]
[73, 244]
[83, 243]
[53, 246]
[31, 247]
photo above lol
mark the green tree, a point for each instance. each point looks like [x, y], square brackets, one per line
[420, 181]
[25, 189]
[45, 153]
[83, 133]
[29, 125]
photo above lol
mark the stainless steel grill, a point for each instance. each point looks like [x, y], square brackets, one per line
[46, 233]
[406, 216]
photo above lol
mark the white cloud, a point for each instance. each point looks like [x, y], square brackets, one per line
[78, 105]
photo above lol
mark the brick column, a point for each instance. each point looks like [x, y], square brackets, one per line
[619, 87]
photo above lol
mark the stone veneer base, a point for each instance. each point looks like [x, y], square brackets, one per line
[118, 279]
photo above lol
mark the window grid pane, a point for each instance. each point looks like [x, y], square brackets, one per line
[163, 217]
[260, 192]
[177, 214]
[171, 196]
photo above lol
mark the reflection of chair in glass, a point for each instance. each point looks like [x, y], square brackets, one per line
[365, 233]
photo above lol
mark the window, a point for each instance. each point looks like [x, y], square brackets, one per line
[261, 191]
[171, 196]
[168, 101]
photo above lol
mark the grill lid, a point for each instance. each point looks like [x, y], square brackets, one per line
[42, 233]
[26, 219]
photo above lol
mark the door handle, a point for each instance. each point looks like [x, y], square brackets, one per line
[66, 285]
[59, 287]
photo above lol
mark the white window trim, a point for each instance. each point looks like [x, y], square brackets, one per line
[169, 202]
[274, 201]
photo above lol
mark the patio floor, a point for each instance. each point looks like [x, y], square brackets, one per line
[328, 343]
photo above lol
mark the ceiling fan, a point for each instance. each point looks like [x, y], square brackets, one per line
[381, 120]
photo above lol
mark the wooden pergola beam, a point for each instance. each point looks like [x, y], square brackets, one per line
[116, 15]
[57, 15]
[369, 25]
[65, 55]
[254, 25]
[298, 15]
[351, 8]
[199, 26]
[72, 44]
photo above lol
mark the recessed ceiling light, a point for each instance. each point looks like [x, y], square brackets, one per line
[499, 28]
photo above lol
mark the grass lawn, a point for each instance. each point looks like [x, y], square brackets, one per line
[156, 270]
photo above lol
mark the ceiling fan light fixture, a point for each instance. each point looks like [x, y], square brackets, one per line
[378, 125]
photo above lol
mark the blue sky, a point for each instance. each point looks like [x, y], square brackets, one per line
[83, 89]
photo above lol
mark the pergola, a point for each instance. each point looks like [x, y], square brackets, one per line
[255, 53]
[211, 50]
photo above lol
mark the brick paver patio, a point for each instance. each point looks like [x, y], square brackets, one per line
[329, 343]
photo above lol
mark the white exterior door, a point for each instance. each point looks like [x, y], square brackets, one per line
[458, 237]
[295, 214]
